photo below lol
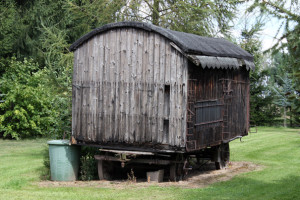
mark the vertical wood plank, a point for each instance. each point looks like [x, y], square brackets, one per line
[112, 63]
[88, 91]
[91, 89]
[155, 104]
[75, 94]
[117, 86]
[133, 82]
[97, 70]
[105, 87]
[108, 85]
[144, 86]
[149, 91]
[178, 100]
[184, 100]
[101, 88]
[168, 82]
[173, 85]
[139, 96]
[161, 81]
[84, 92]
[79, 91]
[122, 86]
[127, 90]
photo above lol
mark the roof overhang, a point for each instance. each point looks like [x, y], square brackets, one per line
[215, 62]
[220, 62]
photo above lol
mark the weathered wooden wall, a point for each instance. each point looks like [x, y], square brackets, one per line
[129, 86]
[218, 108]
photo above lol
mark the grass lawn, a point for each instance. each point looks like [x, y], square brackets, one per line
[277, 149]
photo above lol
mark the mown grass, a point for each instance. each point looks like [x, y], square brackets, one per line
[277, 149]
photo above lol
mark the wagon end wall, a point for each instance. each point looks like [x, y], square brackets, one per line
[129, 86]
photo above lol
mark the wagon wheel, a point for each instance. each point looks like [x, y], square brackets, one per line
[105, 169]
[223, 156]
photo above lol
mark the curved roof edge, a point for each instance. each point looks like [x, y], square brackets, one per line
[187, 42]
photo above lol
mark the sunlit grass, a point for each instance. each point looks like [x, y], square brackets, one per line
[277, 149]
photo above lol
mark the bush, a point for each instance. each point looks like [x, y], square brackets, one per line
[45, 172]
[33, 105]
[88, 164]
[26, 110]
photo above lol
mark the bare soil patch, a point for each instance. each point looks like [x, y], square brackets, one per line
[202, 177]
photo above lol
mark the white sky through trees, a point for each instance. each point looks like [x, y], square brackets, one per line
[272, 30]
[269, 30]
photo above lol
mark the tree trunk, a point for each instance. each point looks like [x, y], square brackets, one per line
[291, 117]
[155, 12]
[284, 117]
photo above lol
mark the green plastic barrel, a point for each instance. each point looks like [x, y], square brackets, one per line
[64, 160]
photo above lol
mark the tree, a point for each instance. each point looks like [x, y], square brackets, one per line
[262, 111]
[207, 18]
[281, 94]
[283, 85]
[86, 15]
[288, 12]
[10, 28]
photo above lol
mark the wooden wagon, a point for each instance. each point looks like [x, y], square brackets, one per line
[147, 94]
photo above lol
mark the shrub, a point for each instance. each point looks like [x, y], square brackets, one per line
[88, 164]
[26, 110]
[45, 172]
[33, 105]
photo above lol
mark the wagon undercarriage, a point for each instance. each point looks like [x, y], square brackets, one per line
[175, 165]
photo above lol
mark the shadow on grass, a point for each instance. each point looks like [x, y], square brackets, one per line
[247, 188]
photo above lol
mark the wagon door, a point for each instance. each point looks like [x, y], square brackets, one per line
[208, 124]
[212, 121]
[204, 119]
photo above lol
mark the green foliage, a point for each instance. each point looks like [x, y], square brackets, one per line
[284, 86]
[59, 66]
[45, 172]
[207, 18]
[288, 14]
[38, 100]
[34, 15]
[88, 164]
[89, 14]
[9, 28]
[27, 107]
[262, 109]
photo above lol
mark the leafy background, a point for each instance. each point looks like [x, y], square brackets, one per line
[36, 64]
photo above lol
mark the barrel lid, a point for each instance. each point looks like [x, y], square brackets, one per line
[59, 142]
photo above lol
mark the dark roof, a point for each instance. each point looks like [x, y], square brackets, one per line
[188, 43]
